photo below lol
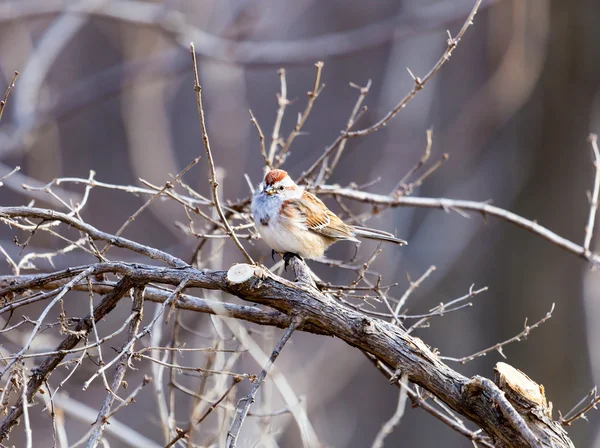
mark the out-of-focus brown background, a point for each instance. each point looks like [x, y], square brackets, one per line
[107, 85]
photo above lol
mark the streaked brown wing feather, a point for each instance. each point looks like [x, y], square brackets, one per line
[320, 219]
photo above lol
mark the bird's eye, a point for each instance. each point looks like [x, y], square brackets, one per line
[281, 188]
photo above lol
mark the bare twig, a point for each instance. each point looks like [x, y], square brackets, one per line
[416, 400]
[411, 289]
[443, 308]
[312, 96]
[6, 176]
[102, 419]
[242, 411]
[261, 138]
[408, 189]
[7, 94]
[167, 186]
[127, 347]
[354, 115]
[575, 414]
[25, 405]
[211, 163]
[500, 345]
[283, 102]
[589, 228]
[41, 374]
[420, 83]
[183, 433]
[51, 216]
[422, 161]
[394, 421]
[418, 86]
[445, 204]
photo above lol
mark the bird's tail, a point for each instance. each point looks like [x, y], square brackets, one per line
[379, 235]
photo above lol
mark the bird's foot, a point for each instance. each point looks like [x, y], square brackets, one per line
[288, 256]
[273, 254]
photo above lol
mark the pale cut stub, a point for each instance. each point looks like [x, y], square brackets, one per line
[239, 273]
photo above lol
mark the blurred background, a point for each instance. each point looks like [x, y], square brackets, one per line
[107, 86]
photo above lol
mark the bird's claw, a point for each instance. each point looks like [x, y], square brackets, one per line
[287, 257]
[273, 254]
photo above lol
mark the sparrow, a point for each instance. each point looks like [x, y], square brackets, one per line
[294, 221]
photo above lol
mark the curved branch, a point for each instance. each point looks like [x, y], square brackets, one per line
[48, 282]
[95, 234]
[477, 399]
[457, 204]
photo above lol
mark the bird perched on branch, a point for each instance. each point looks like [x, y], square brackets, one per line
[293, 221]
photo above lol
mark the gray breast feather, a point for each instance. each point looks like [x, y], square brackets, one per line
[264, 208]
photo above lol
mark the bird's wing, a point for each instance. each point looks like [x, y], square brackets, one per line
[319, 218]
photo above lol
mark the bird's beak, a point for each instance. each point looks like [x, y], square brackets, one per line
[269, 191]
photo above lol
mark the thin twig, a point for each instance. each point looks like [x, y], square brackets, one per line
[499, 346]
[53, 216]
[424, 158]
[204, 372]
[261, 138]
[573, 414]
[127, 347]
[410, 290]
[167, 186]
[6, 176]
[242, 412]
[25, 404]
[7, 94]
[183, 433]
[419, 83]
[354, 115]
[102, 420]
[408, 189]
[394, 421]
[282, 101]
[312, 96]
[418, 86]
[444, 308]
[445, 204]
[589, 229]
[211, 163]
[42, 373]
[456, 425]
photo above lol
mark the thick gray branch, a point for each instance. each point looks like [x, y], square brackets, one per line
[477, 398]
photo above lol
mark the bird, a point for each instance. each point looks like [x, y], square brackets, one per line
[294, 222]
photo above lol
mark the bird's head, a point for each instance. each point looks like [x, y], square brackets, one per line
[279, 183]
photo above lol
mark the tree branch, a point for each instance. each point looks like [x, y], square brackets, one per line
[101, 421]
[240, 416]
[211, 162]
[41, 374]
[95, 234]
[457, 204]
[476, 399]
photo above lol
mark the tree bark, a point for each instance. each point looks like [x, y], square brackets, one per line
[501, 415]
